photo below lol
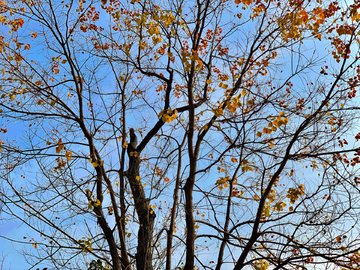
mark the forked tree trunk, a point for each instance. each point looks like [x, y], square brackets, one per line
[146, 216]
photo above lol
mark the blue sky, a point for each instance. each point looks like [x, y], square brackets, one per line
[14, 228]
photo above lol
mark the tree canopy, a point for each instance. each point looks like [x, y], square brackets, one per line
[207, 134]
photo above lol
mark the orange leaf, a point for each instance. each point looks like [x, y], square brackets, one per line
[267, 131]
[68, 155]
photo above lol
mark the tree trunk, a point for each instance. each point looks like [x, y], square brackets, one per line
[146, 216]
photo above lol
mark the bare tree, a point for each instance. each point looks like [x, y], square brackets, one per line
[178, 135]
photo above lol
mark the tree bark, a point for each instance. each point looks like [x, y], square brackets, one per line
[145, 214]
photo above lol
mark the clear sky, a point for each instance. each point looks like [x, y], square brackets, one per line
[13, 229]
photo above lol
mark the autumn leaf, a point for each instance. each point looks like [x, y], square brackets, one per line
[218, 112]
[97, 203]
[94, 164]
[60, 147]
[267, 131]
[90, 206]
[68, 155]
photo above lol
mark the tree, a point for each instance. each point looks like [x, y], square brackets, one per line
[242, 119]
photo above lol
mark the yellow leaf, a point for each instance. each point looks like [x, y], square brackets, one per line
[243, 93]
[194, 57]
[267, 211]
[161, 113]
[218, 112]
[234, 160]
[97, 203]
[137, 178]
[247, 168]
[94, 164]
[208, 81]
[90, 205]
